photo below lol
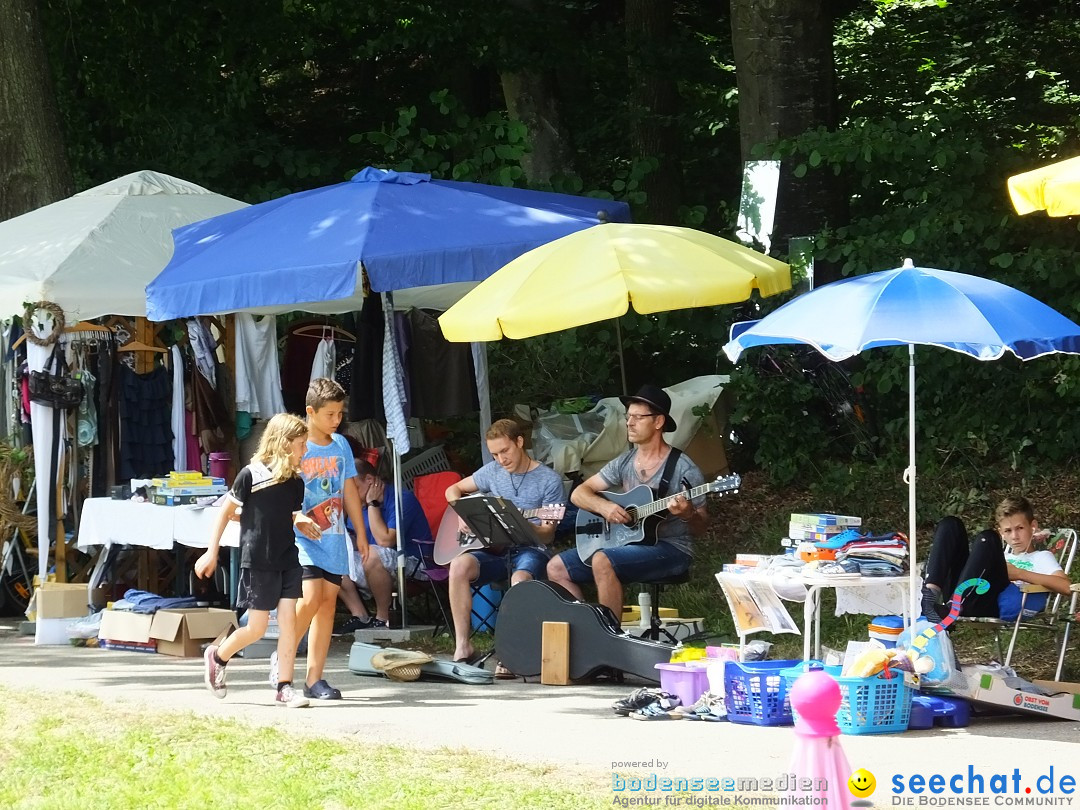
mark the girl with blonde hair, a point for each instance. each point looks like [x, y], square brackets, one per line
[268, 494]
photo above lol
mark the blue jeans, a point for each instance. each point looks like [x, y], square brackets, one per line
[500, 567]
[633, 563]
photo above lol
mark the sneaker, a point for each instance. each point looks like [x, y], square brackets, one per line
[638, 699]
[273, 670]
[214, 675]
[353, 624]
[377, 623]
[288, 697]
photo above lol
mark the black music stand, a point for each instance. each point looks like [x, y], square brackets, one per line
[496, 521]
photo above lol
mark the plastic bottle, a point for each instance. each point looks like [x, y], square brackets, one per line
[645, 604]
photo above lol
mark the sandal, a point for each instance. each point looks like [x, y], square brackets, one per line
[471, 660]
[321, 690]
[503, 674]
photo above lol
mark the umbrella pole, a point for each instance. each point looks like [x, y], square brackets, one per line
[913, 577]
[622, 361]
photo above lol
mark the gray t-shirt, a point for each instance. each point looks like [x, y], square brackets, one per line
[621, 475]
[538, 487]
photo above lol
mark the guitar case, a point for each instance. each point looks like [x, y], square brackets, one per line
[596, 639]
[361, 653]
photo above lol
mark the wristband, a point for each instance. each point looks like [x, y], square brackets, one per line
[375, 503]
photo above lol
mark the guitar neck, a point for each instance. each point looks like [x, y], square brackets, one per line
[659, 506]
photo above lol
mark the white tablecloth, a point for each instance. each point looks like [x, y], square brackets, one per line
[107, 522]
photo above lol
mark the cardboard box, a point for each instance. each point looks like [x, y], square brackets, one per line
[51, 632]
[182, 632]
[59, 600]
[123, 625]
[988, 689]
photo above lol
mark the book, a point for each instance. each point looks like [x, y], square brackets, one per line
[822, 519]
[755, 606]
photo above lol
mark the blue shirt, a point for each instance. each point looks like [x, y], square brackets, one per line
[325, 468]
[415, 522]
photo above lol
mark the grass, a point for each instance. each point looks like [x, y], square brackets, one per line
[86, 754]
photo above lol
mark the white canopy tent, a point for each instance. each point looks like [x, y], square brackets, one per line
[93, 254]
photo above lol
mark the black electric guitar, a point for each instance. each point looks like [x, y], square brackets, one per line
[596, 640]
[594, 533]
[451, 542]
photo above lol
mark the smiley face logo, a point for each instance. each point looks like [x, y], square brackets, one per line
[861, 783]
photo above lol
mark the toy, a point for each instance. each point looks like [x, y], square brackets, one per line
[880, 660]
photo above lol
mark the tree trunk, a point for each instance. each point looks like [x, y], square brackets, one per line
[786, 78]
[34, 169]
[654, 99]
[532, 98]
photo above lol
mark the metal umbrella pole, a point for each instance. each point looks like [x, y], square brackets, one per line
[396, 431]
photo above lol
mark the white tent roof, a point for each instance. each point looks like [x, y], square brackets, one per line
[94, 253]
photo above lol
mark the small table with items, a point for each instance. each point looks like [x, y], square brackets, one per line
[106, 523]
[754, 600]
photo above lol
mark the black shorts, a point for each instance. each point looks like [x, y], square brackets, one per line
[262, 590]
[314, 572]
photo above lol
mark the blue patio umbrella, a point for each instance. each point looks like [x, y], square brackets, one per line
[308, 251]
[915, 305]
[304, 251]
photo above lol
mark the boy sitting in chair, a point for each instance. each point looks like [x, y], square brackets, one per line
[1006, 567]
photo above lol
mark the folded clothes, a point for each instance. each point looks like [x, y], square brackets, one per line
[146, 602]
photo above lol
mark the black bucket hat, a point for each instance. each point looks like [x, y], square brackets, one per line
[657, 399]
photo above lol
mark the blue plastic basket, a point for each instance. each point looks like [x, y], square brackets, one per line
[755, 693]
[870, 705]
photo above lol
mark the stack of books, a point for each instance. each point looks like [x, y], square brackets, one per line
[185, 488]
[820, 527]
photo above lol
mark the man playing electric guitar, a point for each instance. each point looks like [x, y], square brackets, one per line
[648, 418]
[528, 484]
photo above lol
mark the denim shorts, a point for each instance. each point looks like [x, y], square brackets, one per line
[500, 567]
[633, 563]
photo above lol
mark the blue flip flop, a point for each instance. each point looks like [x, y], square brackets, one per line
[321, 690]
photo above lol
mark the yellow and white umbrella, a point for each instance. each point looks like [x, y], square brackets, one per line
[1054, 189]
[598, 273]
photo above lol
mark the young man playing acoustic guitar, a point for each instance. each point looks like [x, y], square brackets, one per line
[528, 484]
[648, 418]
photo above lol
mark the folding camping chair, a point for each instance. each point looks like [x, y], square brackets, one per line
[430, 490]
[1064, 543]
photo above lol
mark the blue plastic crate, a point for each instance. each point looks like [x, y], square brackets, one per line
[873, 705]
[755, 693]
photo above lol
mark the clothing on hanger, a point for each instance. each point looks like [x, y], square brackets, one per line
[322, 365]
[442, 382]
[258, 374]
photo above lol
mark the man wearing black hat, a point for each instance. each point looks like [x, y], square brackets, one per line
[655, 463]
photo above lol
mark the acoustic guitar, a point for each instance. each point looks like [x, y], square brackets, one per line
[594, 533]
[451, 542]
[596, 639]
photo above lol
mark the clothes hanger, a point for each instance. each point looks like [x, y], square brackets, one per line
[323, 330]
[139, 346]
[81, 326]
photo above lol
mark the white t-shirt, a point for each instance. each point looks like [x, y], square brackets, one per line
[1039, 562]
